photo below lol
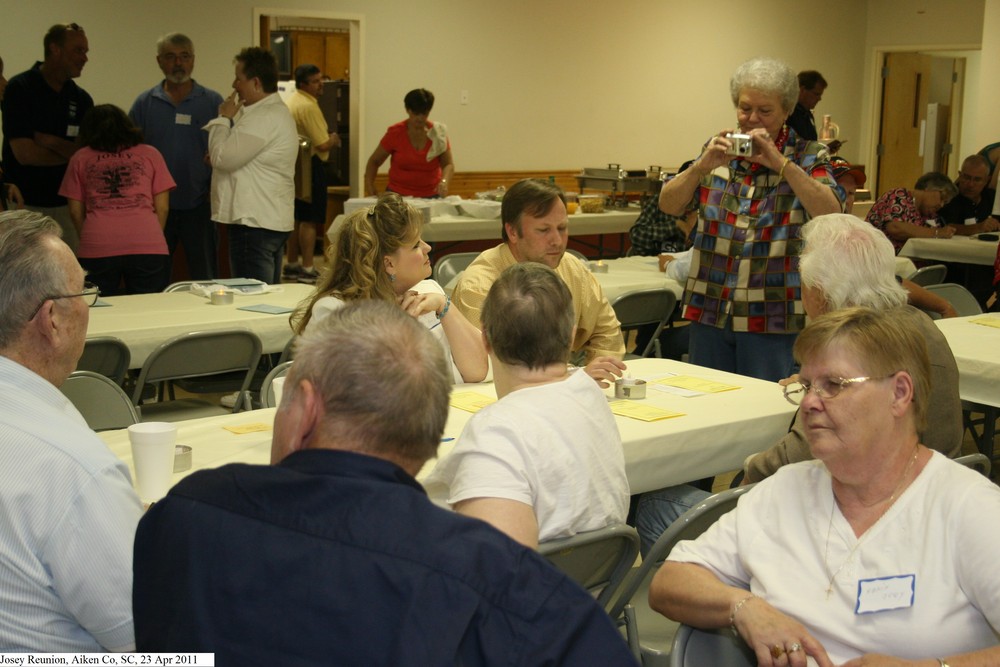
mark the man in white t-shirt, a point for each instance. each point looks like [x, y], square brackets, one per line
[545, 461]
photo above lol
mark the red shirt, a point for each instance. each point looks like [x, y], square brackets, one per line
[410, 173]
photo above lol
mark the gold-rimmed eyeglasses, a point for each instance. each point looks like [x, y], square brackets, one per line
[824, 387]
[90, 294]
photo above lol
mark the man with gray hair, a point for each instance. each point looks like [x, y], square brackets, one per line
[171, 115]
[334, 554]
[545, 461]
[846, 262]
[69, 509]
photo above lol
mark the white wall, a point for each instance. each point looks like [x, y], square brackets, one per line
[558, 84]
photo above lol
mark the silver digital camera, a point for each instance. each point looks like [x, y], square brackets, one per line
[742, 145]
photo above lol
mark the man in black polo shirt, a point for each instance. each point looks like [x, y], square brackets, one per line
[969, 212]
[42, 111]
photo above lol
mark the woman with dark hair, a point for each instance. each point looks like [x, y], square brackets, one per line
[118, 190]
[421, 153]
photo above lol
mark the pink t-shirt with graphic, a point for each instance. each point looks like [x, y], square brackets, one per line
[117, 190]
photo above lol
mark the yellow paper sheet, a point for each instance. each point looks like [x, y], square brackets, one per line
[641, 411]
[987, 321]
[241, 429]
[470, 401]
[695, 384]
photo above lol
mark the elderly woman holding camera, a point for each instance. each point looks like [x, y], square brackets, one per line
[880, 547]
[755, 187]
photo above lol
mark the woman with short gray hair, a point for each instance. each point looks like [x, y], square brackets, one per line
[903, 214]
[754, 186]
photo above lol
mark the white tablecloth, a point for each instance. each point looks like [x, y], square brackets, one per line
[964, 249]
[977, 353]
[465, 228]
[144, 321]
[715, 435]
[635, 273]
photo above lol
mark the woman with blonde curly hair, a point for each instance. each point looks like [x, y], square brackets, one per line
[379, 255]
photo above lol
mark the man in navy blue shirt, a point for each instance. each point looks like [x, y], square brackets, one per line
[334, 555]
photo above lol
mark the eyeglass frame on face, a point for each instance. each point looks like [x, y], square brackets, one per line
[824, 391]
[89, 289]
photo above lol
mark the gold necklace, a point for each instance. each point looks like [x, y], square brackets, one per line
[829, 528]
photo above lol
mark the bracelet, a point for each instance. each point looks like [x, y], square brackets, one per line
[781, 173]
[444, 311]
[732, 616]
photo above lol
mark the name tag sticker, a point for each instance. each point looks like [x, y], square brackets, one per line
[182, 119]
[970, 221]
[885, 593]
[72, 130]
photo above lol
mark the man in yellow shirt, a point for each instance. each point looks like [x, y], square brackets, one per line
[309, 215]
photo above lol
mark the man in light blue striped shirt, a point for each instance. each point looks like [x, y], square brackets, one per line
[67, 509]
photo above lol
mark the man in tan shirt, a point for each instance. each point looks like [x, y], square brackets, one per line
[310, 123]
[536, 229]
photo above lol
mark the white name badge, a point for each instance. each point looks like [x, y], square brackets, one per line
[970, 221]
[72, 130]
[885, 593]
[182, 119]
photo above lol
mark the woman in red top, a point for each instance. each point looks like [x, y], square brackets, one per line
[421, 163]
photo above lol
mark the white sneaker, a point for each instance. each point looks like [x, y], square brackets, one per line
[229, 400]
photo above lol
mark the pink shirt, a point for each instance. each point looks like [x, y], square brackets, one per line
[117, 190]
[409, 171]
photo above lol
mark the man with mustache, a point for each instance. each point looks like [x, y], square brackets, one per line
[171, 115]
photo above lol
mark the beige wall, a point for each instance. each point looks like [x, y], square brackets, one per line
[556, 84]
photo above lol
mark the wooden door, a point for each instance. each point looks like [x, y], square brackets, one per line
[308, 47]
[338, 56]
[905, 87]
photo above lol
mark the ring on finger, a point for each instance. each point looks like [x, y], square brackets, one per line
[777, 651]
[795, 647]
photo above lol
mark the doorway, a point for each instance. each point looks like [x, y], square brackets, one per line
[919, 110]
[333, 41]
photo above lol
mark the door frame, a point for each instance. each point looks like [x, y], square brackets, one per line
[871, 121]
[356, 28]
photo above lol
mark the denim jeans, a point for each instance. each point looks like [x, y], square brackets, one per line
[256, 253]
[194, 229]
[656, 510]
[758, 355]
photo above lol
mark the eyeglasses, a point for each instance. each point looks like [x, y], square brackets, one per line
[175, 57]
[90, 293]
[825, 388]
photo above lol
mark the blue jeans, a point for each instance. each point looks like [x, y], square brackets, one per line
[656, 510]
[193, 228]
[759, 355]
[256, 253]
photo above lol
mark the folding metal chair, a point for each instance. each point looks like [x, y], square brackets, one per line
[720, 648]
[103, 404]
[642, 308]
[450, 266]
[267, 390]
[929, 275]
[598, 560]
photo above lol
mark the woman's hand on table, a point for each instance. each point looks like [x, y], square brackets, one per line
[940, 232]
[776, 639]
[605, 370]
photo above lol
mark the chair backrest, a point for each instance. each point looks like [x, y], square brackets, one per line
[103, 404]
[598, 560]
[182, 285]
[978, 462]
[719, 648]
[288, 351]
[201, 354]
[641, 307]
[449, 266]
[960, 298]
[929, 275]
[577, 253]
[688, 526]
[106, 355]
[266, 388]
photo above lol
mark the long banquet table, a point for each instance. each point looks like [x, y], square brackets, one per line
[144, 321]
[977, 353]
[715, 434]
[961, 249]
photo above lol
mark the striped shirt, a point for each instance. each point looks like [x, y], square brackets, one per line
[67, 520]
